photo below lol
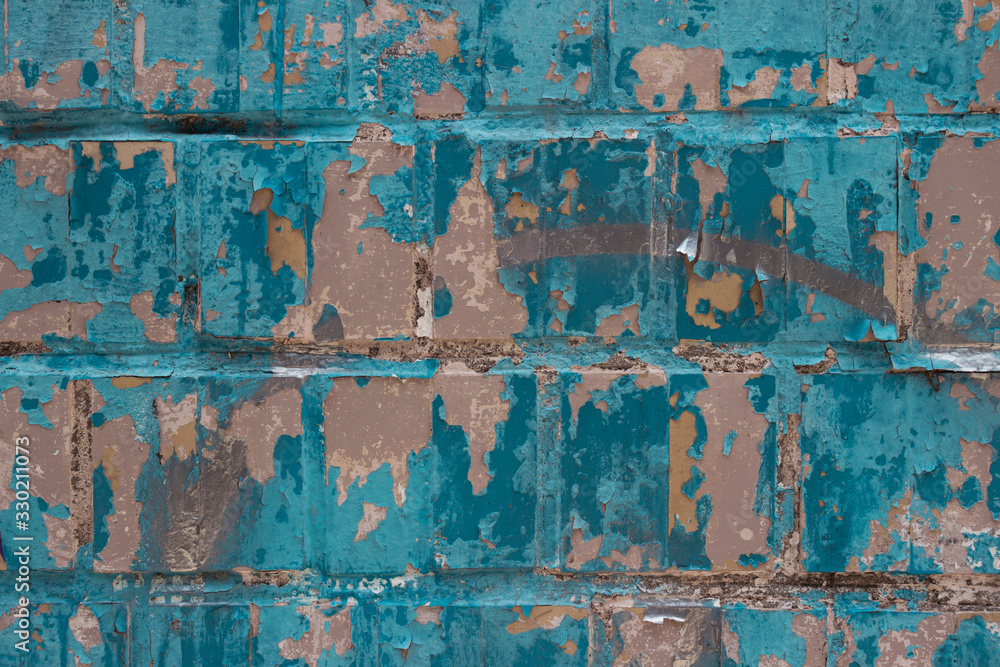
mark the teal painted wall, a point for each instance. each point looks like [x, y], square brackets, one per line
[627, 333]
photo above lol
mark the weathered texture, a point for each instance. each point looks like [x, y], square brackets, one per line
[474, 332]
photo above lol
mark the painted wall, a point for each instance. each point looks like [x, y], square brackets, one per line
[517, 333]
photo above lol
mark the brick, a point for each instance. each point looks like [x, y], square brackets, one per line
[315, 52]
[687, 35]
[187, 474]
[910, 60]
[839, 199]
[160, 70]
[656, 635]
[655, 475]
[57, 57]
[539, 58]
[363, 241]
[324, 632]
[67, 280]
[598, 238]
[38, 409]
[423, 59]
[483, 219]
[761, 71]
[449, 483]
[579, 258]
[549, 634]
[723, 216]
[956, 294]
[198, 633]
[420, 635]
[254, 250]
[925, 510]
[923, 637]
[795, 637]
[95, 633]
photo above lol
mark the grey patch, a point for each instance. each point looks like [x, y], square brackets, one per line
[526, 247]
[170, 517]
[329, 329]
[225, 527]
[264, 390]
[779, 262]
[699, 640]
[439, 283]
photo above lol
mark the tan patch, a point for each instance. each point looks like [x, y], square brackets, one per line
[645, 642]
[126, 151]
[448, 102]
[988, 86]
[473, 402]
[79, 315]
[204, 89]
[761, 87]
[264, 24]
[51, 87]
[427, 614]
[372, 291]
[466, 258]
[31, 162]
[615, 324]
[333, 33]
[802, 79]
[683, 510]
[149, 82]
[47, 317]
[813, 630]
[11, 277]
[543, 617]
[260, 425]
[988, 19]
[552, 75]
[903, 648]
[841, 80]
[518, 207]
[964, 22]
[285, 245]
[441, 37]
[383, 422]
[630, 560]
[958, 184]
[177, 426]
[129, 382]
[157, 329]
[325, 632]
[116, 445]
[667, 69]
[723, 293]
[85, 627]
[590, 382]
[711, 181]
[100, 39]
[372, 516]
[730, 479]
[382, 14]
[582, 551]
[60, 540]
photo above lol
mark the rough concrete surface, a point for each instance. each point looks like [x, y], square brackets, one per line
[640, 332]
